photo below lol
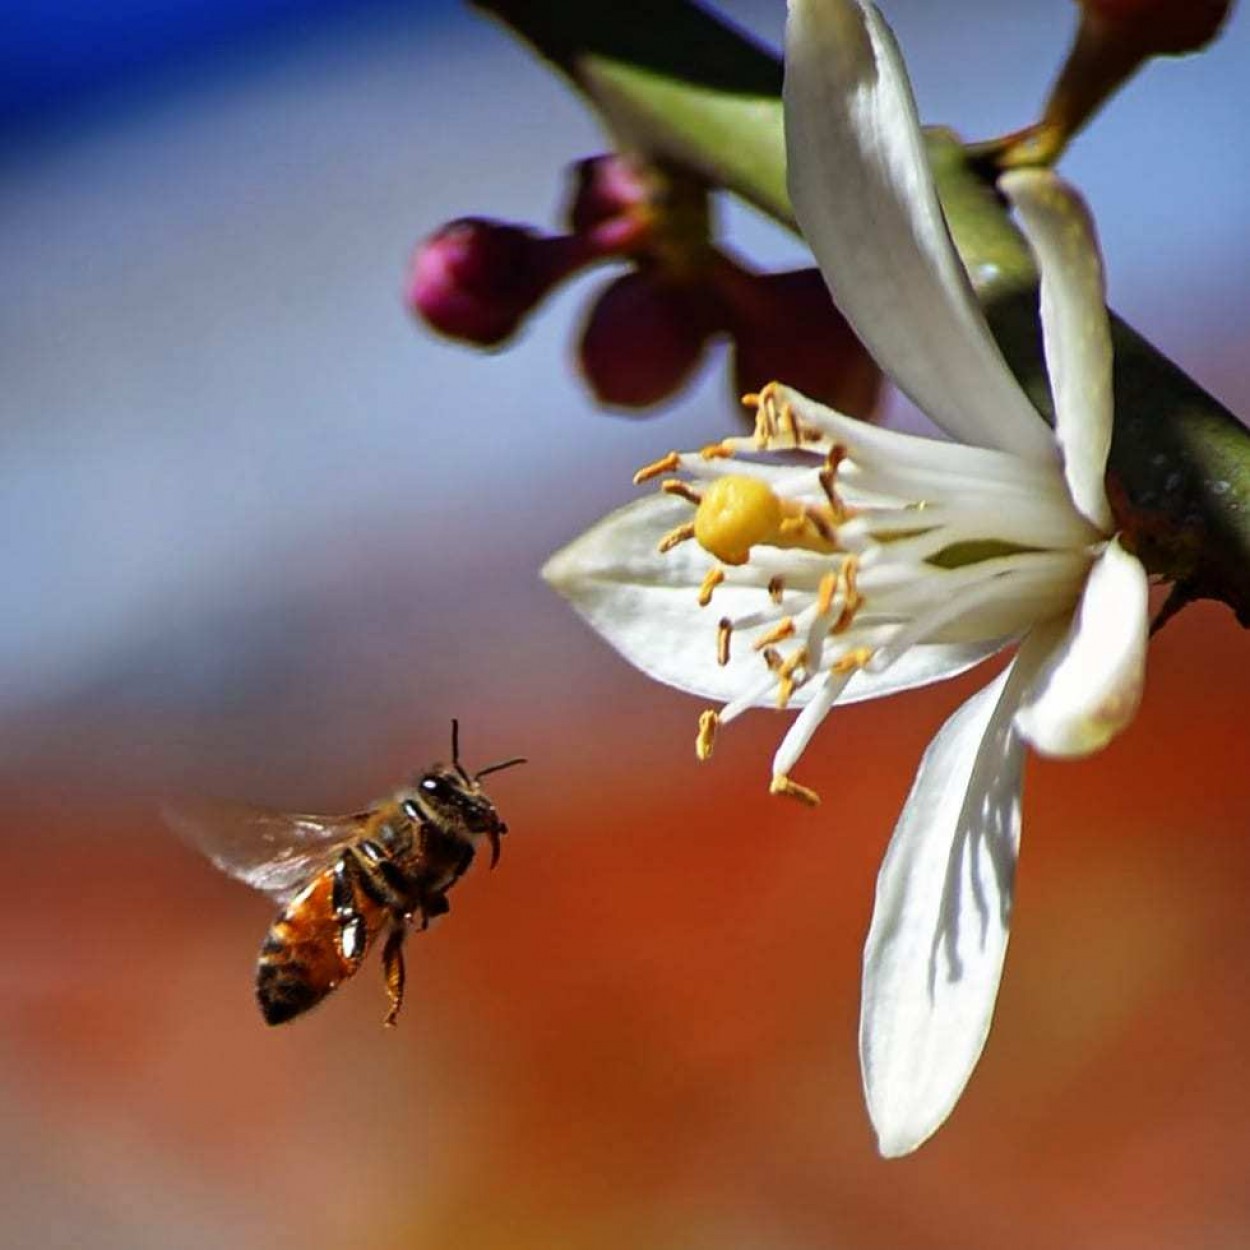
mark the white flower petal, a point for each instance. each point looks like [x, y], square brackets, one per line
[645, 604]
[1075, 329]
[921, 665]
[1091, 685]
[863, 194]
[939, 929]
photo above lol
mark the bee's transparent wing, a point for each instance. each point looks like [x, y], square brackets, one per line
[277, 852]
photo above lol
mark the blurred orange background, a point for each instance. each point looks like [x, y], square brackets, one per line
[639, 1030]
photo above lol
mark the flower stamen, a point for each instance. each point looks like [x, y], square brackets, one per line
[709, 722]
[781, 784]
[724, 632]
[786, 680]
[665, 464]
[683, 490]
[715, 575]
[851, 661]
[852, 600]
[674, 537]
[824, 595]
[779, 632]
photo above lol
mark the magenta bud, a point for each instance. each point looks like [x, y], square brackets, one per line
[610, 204]
[643, 339]
[786, 328]
[476, 280]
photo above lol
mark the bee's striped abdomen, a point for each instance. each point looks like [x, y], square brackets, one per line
[311, 947]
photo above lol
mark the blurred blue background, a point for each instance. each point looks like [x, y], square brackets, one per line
[262, 535]
[204, 220]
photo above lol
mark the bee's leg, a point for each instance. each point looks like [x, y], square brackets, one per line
[393, 970]
[433, 906]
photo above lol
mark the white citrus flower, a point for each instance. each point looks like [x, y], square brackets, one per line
[823, 560]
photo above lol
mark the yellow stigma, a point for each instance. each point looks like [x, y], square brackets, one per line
[736, 512]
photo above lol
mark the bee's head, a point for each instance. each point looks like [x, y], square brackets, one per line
[456, 801]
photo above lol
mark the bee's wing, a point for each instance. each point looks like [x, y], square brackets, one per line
[277, 852]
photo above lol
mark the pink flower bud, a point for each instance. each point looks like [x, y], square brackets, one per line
[786, 328]
[611, 204]
[475, 279]
[643, 339]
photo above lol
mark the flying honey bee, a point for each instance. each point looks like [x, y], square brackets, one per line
[343, 880]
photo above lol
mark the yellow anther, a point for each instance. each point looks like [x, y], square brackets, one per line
[852, 600]
[820, 520]
[724, 632]
[666, 464]
[736, 513]
[717, 451]
[852, 660]
[795, 660]
[786, 681]
[683, 490]
[828, 483]
[803, 525]
[709, 721]
[781, 784]
[765, 406]
[683, 533]
[783, 629]
[824, 596]
[776, 587]
[776, 423]
[789, 424]
[714, 577]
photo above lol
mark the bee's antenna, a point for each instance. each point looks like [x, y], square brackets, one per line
[455, 748]
[494, 768]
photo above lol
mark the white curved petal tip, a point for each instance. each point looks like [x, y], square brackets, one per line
[1076, 330]
[1091, 686]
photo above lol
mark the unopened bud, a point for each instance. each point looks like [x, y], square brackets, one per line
[643, 339]
[1114, 40]
[476, 280]
[611, 203]
[786, 327]
[1161, 27]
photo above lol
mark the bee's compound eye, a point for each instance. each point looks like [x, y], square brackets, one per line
[437, 787]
